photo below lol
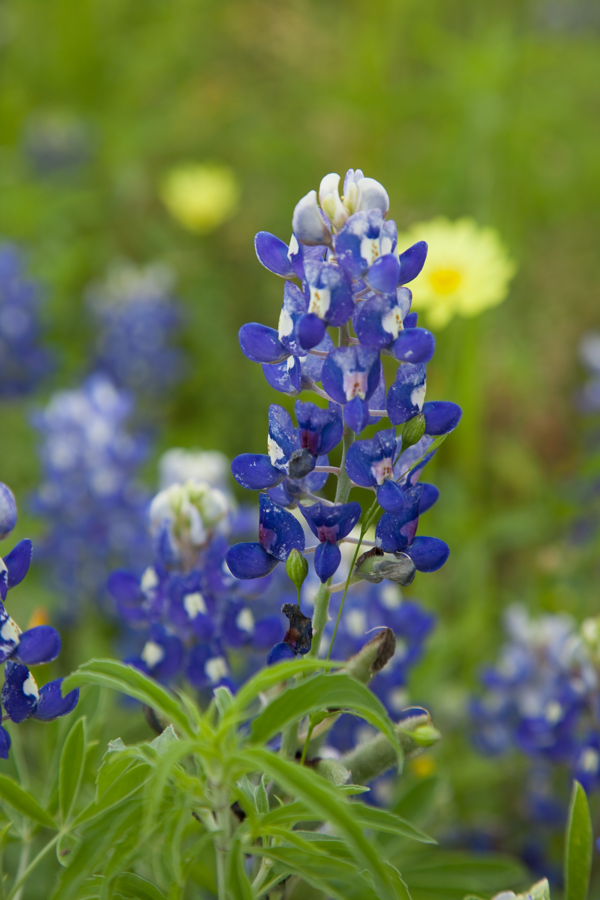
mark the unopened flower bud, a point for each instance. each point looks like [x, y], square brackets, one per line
[373, 657]
[372, 195]
[308, 224]
[413, 431]
[296, 568]
[329, 198]
[375, 565]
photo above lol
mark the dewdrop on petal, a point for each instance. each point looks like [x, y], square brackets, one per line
[200, 196]
[467, 269]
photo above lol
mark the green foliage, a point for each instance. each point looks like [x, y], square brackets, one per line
[578, 846]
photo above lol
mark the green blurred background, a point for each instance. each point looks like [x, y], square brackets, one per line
[485, 110]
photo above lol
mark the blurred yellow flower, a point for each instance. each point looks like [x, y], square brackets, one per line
[39, 616]
[423, 766]
[467, 270]
[200, 196]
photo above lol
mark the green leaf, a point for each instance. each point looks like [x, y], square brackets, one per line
[327, 803]
[126, 784]
[322, 692]
[134, 886]
[268, 678]
[238, 885]
[65, 849]
[578, 846]
[24, 802]
[389, 822]
[337, 878]
[71, 768]
[462, 873]
[130, 681]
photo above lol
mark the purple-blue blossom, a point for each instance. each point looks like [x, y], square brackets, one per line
[23, 359]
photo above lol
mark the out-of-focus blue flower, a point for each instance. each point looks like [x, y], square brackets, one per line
[20, 649]
[137, 318]
[8, 510]
[94, 509]
[23, 359]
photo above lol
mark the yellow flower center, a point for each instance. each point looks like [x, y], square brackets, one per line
[445, 281]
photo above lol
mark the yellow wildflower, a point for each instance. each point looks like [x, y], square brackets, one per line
[467, 270]
[200, 196]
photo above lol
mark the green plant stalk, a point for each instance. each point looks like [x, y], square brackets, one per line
[222, 839]
[22, 876]
[306, 743]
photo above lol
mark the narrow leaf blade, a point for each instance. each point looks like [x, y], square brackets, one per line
[71, 767]
[578, 848]
[24, 802]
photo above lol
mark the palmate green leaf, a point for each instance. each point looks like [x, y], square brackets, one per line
[130, 681]
[327, 804]
[578, 846]
[322, 692]
[268, 678]
[71, 768]
[24, 802]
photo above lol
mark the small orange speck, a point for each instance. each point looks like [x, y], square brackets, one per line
[38, 617]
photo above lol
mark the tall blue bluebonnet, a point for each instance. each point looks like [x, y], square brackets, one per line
[137, 318]
[189, 617]
[21, 698]
[345, 278]
[93, 506]
[23, 359]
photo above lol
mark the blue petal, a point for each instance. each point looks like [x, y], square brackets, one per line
[395, 532]
[377, 399]
[4, 743]
[273, 254]
[249, 561]
[411, 320]
[281, 496]
[300, 254]
[351, 372]
[38, 645]
[331, 523]
[383, 274]
[405, 397]
[390, 497]
[320, 430]
[285, 377]
[255, 472]
[428, 553]
[203, 627]
[329, 278]
[52, 703]
[292, 312]
[279, 531]
[8, 514]
[280, 653]
[349, 241]
[363, 456]
[266, 631]
[372, 315]
[124, 587]
[312, 366]
[283, 433]
[356, 415]
[428, 497]
[261, 344]
[310, 330]
[17, 562]
[441, 416]
[18, 704]
[414, 345]
[327, 560]
[308, 223]
[195, 671]
[412, 261]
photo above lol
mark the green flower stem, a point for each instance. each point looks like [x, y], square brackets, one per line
[306, 743]
[24, 870]
[289, 740]
[223, 817]
[320, 617]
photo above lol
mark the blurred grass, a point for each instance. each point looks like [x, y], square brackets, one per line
[490, 111]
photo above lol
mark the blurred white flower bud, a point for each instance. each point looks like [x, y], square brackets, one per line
[372, 195]
[179, 465]
[191, 512]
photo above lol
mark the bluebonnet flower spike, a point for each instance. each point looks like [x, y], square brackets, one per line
[330, 524]
[370, 463]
